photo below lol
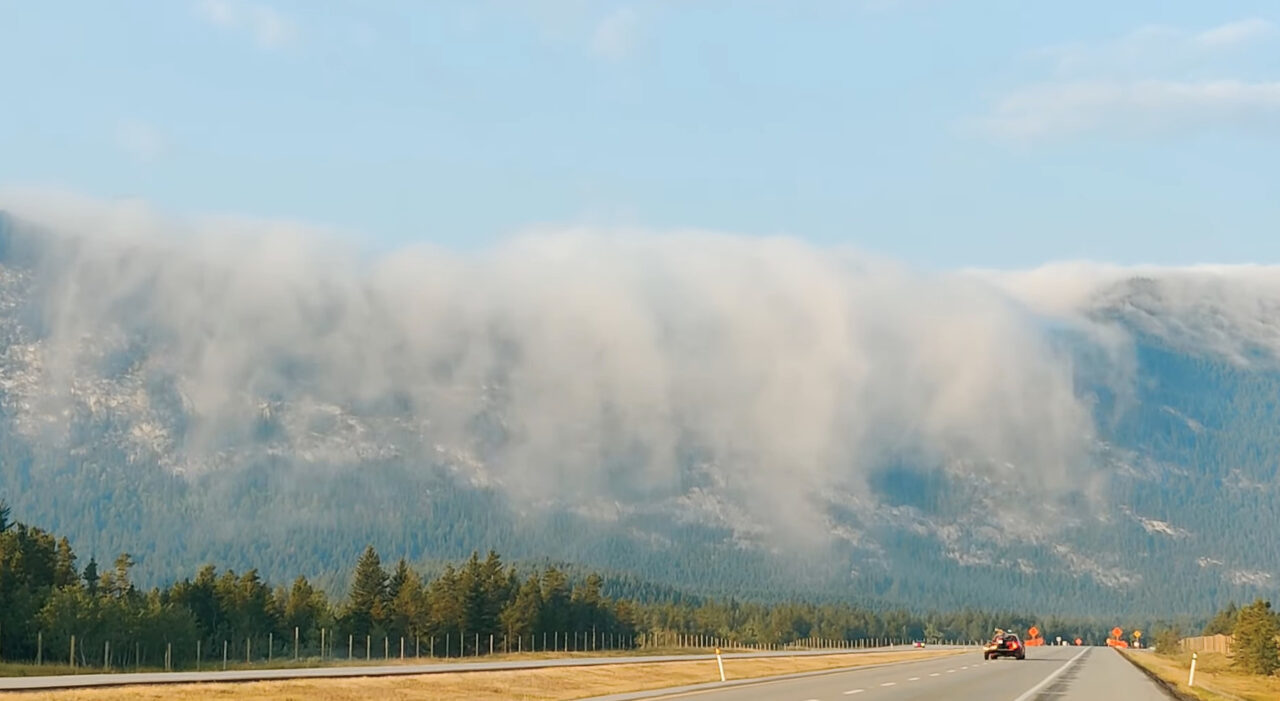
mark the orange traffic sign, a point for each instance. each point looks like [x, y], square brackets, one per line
[1033, 631]
[1079, 641]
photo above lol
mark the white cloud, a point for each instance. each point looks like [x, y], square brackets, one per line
[615, 35]
[1156, 47]
[1235, 33]
[142, 141]
[794, 369]
[266, 25]
[1135, 107]
[1152, 79]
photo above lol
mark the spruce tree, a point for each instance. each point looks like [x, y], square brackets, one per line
[1255, 639]
[398, 579]
[64, 572]
[1223, 622]
[520, 617]
[367, 605]
[91, 576]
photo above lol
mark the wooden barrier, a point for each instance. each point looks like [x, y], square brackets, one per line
[1207, 643]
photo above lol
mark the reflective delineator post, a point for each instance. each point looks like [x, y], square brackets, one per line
[1191, 680]
[720, 662]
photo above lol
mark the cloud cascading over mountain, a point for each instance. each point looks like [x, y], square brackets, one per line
[762, 382]
[604, 360]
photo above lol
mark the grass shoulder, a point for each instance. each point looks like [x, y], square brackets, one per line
[1216, 678]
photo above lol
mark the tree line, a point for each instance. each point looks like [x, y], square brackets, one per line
[478, 606]
[1255, 632]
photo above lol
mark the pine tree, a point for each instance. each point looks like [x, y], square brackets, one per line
[4, 516]
[1168, 641]
[116, 582]
[367, 605]
[1255, 639]
[304, 608]
[398, 579]
[407, 612]
[91, 576]
[521, 616]
[555, 601]
[64, 573]
[444, 602]
[1223, 622]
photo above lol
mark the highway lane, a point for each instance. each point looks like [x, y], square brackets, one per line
[97, 680]
[1048, 674]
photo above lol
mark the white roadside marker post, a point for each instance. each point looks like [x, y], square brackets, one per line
[720, 662]
[1191, 680]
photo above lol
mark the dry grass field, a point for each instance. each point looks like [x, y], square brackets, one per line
[558, 684]
[1213, 670]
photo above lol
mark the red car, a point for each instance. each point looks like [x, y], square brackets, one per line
[1005, 645]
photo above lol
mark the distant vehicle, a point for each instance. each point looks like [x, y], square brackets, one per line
[918, 643]
[1005, 645]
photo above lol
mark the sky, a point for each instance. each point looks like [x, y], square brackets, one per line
[945, 134]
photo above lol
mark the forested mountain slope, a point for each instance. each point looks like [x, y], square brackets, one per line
[838, 432]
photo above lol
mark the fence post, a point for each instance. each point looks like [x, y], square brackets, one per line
[402, 647]
[224, 655]
[271, 645]
[386, 646]
[295, 643]
[350, 644]
[106, 655]
[73, 652]
[368, 647]
[197, 655]
[322, 643]
[491, 643]
[39, 647]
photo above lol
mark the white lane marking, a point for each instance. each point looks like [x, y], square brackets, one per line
[934, 674]
[914, 679]
[1053, 675]
[854, 691]
[949, 671]
[889, 684]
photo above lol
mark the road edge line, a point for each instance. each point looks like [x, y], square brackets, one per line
[1053, 675]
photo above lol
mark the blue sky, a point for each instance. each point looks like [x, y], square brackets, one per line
[943, 133]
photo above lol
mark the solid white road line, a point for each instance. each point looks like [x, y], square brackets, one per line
[854, 691]
[1053, 675]
[934, 674]
[914, 679]
[889, 684]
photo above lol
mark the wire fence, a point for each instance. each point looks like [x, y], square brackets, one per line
[333, 646]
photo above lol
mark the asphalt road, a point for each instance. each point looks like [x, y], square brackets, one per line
[1048, 674]
[69, 681]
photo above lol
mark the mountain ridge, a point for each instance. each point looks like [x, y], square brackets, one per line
[105, 435]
